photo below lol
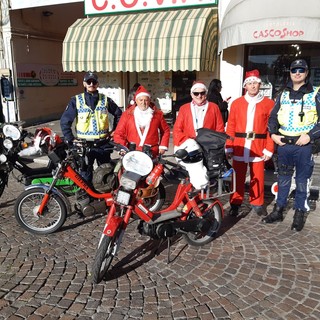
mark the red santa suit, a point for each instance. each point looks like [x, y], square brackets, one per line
[247, 125]
[143, 127]
[192, 117]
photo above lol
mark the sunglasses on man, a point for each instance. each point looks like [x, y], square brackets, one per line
[295, 70]
[202, 93]
[94, 82]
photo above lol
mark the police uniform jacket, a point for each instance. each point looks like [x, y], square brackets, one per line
[91, 100]
[307, 88]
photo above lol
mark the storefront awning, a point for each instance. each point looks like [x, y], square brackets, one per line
[154, 41]
[253, 21]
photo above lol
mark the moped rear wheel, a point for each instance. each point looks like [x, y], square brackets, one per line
[213, 212]
[106, 251]
[26, 208]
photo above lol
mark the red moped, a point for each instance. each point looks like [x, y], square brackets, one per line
[198, 221]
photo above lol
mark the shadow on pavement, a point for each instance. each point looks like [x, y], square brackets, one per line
[140, 256]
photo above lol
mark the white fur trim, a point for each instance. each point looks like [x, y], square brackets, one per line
[251, 79]
[142, 94]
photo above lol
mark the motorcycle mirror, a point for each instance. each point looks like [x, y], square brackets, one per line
[181, 154]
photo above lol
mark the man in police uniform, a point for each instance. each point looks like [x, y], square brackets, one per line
[90, 110]
[293, 125]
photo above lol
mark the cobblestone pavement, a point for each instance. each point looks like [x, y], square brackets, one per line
[250, 271]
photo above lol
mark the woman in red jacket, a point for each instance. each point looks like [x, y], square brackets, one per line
[143, 124]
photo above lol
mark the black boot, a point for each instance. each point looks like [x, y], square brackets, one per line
[298, 220]
[275, 215]
[234, 210]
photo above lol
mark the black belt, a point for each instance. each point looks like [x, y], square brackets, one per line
[290, 140]
[251, 135]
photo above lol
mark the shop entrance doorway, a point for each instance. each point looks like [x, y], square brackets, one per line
[181, 85]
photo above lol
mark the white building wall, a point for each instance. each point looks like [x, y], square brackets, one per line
[231, 64]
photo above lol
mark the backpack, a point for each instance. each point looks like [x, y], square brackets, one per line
[213, 148]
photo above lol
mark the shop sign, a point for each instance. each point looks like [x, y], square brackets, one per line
[38, 75]
[277, 33]
[115, 6]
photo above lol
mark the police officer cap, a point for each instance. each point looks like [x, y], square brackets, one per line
[300, 63]
[90, 75]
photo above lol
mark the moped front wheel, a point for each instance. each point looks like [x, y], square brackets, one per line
[213, 212]
[26, 212]
[155, 203]
[106, 251]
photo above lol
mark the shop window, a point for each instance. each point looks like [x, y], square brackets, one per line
[273, 62]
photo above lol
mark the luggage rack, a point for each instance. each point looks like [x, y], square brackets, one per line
[223, 185]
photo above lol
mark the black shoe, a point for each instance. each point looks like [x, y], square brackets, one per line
[234, 210]
[275, 215]
[298, 220]
[259, 210]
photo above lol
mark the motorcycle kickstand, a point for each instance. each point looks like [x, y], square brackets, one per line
[168, 247]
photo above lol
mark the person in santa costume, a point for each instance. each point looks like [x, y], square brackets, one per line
[199, 113]
[143, 124]
[250, 143]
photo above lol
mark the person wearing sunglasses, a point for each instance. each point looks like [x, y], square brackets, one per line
[91, 111]
[250, 144]
[199, 113]
[294, 125]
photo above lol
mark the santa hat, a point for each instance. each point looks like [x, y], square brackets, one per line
[252, 76]
[141, 91]
[198, 85]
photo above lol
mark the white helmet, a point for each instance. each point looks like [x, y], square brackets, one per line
[194, 163]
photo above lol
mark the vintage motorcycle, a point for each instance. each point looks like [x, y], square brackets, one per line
[198, 221]
[43, 208]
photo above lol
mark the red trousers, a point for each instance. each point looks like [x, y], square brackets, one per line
[256, 188]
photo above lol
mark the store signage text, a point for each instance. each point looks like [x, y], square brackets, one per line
[38, 75]
[115, 6]
[277, 33]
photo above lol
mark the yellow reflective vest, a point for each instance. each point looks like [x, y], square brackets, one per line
[91, 124]
[288, 114]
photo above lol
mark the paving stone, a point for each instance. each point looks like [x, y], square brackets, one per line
[251, 271]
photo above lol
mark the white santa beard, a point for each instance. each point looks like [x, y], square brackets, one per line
[143, 117]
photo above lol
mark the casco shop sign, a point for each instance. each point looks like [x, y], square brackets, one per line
[277, 33]
[115, 6]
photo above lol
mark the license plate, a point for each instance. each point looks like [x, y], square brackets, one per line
[123, 197]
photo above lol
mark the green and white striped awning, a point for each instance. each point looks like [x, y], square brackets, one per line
[153, 41]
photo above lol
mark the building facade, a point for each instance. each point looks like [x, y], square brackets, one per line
[47, 45]
[267, 36]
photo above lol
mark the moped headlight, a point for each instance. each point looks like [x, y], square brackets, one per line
[8, 143]
[3, 158]
[11, 131]
[128, 183]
